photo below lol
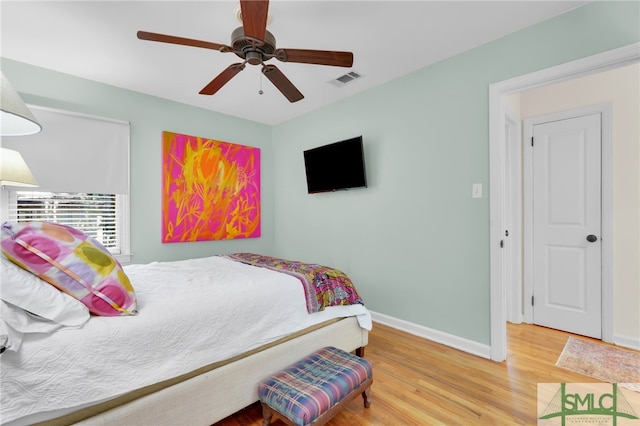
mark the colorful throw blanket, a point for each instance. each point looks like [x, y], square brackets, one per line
[323, 286]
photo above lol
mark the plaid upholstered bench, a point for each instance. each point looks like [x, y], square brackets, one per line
[315, 388]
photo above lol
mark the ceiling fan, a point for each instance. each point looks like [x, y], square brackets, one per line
[255, 45]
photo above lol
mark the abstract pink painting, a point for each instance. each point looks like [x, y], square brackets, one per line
[210, 189]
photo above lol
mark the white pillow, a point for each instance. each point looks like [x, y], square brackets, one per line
[10, 339]
[24, 322]
[25, 290]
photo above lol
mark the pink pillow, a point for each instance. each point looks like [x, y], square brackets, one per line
[73, 262]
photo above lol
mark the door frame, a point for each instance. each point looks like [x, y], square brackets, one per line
[606, 166]
[497, 92]
[512, 231]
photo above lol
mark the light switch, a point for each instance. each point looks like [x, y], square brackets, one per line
[476, 190]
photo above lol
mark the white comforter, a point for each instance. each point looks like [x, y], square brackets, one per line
[189, 316]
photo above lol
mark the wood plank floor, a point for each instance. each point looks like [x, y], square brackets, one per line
[419, 382]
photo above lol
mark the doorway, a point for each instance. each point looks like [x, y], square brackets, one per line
[497, 93]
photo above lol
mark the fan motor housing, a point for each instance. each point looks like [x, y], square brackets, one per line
[252, 50]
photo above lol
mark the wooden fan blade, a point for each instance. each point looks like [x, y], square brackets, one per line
[254, 18]
[282, 83]
[144, 35]
[318, 57]
[222, 79]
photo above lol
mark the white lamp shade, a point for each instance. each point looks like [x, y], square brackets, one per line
[15, 117]
[13, 169]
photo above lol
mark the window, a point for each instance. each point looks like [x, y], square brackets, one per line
[81, 164]
[97, 215]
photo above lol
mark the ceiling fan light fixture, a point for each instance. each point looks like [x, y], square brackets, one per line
[253, 57]
[242, 45]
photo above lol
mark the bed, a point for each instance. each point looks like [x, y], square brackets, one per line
[207, 331]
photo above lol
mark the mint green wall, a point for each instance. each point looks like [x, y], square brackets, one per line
[149, 116]
[415, 242]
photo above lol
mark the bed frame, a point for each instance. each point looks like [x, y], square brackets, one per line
[217, 391]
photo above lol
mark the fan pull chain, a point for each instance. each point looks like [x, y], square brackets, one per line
[260, 92]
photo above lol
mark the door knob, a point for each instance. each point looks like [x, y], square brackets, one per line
[592, 238]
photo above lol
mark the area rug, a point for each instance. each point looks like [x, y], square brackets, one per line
[600, 361]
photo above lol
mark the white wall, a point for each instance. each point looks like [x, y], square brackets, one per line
[621, 87]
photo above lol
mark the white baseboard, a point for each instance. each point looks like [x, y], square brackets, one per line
[627, 342]
[447, 339]
[467, 345]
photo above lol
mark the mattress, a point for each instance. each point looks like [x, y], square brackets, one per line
[191, 313]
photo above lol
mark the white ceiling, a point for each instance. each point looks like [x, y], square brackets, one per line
[97, 40]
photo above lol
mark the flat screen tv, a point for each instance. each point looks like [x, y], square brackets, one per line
[336, 166]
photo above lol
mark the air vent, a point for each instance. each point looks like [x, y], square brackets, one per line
[346, 78]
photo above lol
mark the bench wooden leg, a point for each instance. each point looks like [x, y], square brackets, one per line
[266, 415]
[366, 395]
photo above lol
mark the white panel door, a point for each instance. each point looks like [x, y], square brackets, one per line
[567, 277]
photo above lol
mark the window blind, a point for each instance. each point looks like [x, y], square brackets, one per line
[96, 215]
[76, 152]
